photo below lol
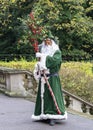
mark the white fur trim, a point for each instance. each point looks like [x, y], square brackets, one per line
[49, 116]
[43, 62]
[36, 69]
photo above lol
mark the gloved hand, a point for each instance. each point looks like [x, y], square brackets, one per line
[38, 54]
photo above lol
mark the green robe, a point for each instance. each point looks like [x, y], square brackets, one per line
[53, 64]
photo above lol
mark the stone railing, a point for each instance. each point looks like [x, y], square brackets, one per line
[77, 104]
[17, 82]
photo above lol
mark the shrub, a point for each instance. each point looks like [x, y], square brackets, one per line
[77, 78]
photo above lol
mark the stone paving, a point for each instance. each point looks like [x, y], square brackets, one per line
[15, 114]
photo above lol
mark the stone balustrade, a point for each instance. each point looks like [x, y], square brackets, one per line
[77, 104]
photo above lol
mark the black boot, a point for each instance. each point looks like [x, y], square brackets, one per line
[52, 122]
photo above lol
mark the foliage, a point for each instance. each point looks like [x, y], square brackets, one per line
[70, 22]
[12, 29]
[22, 64]
[77, 78]
[89, 8]
[11, 11]
[75, 55]
[36, 32]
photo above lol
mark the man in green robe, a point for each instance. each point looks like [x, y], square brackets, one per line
[50, 62]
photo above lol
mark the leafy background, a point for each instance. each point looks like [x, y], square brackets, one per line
[70, 22]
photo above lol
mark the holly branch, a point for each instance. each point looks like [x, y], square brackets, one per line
[36, 31]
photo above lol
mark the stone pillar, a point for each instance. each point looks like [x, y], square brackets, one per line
[75, 104]
[87, 109]
[15, 84]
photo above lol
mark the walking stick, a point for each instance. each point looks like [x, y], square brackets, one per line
[51, 92]
[42, 96]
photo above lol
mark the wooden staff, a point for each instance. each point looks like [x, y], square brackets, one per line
[51, 92]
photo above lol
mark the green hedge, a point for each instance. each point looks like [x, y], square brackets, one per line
[77, 78]
[75, 55]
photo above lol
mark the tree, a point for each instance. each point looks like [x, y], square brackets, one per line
[68, 21]
[88, 5]
[11, 27]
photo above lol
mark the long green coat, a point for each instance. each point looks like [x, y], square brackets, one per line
[53, 64]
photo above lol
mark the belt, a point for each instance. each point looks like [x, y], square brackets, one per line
[49, 75]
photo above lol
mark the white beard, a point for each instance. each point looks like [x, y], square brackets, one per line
[49, 49]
